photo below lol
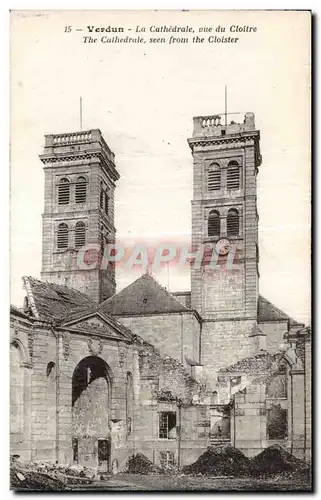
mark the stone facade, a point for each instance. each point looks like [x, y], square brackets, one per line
[71, 390]
[97, 376]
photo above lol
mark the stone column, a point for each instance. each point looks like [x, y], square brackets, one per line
[64, 402]
[27, 417]
[298, 412]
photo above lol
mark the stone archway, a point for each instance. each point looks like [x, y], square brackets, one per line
[91, 397]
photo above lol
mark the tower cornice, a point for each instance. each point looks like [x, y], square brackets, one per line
[64, 160]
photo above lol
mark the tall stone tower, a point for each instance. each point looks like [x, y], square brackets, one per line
[80, 176]
[224, 217]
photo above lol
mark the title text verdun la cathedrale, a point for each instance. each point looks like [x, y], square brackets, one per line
[234, 28]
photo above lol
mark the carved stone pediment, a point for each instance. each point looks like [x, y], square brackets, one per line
[93, 326]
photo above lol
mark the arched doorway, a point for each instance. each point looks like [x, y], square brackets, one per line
[91, 395]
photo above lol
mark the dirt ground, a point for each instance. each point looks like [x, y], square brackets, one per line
[137, 482]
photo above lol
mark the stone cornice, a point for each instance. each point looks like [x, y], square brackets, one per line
[245, 139]
[82, 214]
[65, 160]
[224, 139]
[187, 311]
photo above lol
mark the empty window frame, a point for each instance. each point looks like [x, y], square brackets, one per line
[277, 386]
[214, 223]
[75, 450]
[167, 458]
[277, 422]
[167, 425]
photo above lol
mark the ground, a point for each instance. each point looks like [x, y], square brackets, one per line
[140, 482]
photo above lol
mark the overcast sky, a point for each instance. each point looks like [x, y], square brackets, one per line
[143, 98]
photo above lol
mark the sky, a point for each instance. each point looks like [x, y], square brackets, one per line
[143, 98]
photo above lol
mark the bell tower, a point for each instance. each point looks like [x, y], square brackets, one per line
[226, 158]
[78, 218]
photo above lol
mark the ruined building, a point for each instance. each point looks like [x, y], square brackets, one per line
[98, 375]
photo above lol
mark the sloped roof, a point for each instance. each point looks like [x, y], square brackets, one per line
[267, 311]
[143, 296]
[261, 363]
[61, 304]
[56, 302]
[18, 312]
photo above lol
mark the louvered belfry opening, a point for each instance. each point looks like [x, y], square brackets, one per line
[233, 222]
[233, 176]
[63, 192]
[106, 202]
[102, 196]
[81, 190]
[80, 234]
[214, 223]
[63, 236]
[214, 178]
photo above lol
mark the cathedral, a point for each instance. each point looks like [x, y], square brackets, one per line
[97, 376]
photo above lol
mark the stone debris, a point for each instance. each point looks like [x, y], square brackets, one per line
[220, 461]
[228, 461]
[140, 464]
[275, 460]
[44, 476]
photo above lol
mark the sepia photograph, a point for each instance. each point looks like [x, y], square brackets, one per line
[160, 250]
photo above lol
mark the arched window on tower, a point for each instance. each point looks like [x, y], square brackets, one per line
[102, 195]
[102, 239]
[80, 234]
[81, 190]
[62, 236]
[214, 223]
[233, 222]
[63, 192]
[233, 175]
[106, 203]
[214, 178]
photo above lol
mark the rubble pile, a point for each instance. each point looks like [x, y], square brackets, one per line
[220, 461]
[22, 479]
[275, 460]
[140, 464]
[46, 476]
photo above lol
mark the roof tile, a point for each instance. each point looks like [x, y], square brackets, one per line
[143, 296]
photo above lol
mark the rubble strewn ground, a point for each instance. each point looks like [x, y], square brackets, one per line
[220, 469]
[43, 476]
